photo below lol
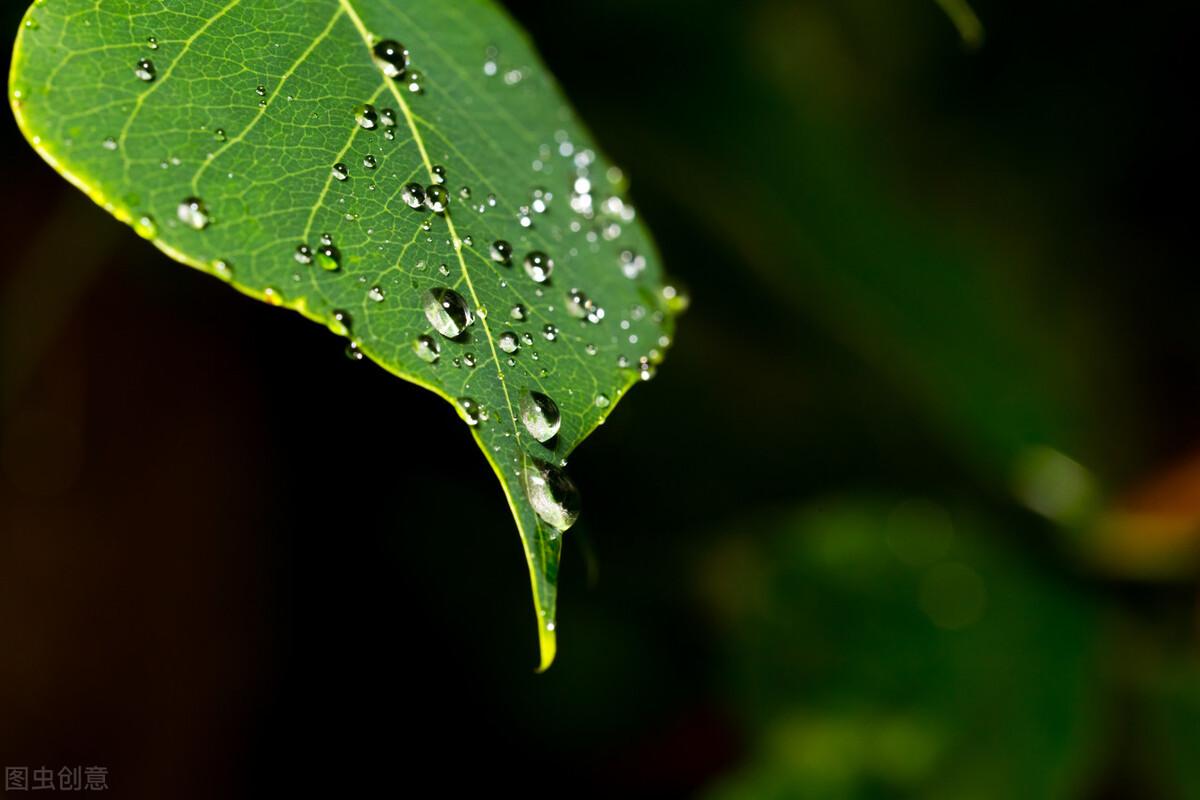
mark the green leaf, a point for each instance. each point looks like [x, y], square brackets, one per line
[214, 127]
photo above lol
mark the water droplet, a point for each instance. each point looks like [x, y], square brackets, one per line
[518, 312]
[472, 412]
[538, 266]
[341, 171]
[539, 415]
[375, 293]
[152, 42]
[144, 69]
[415, 79]
[219, 135]
[223, 270]
[502, 252]
[465, 193]
[110, 143]
[527, 338]
[427, 348]
[552, 494]
[508, 342]
[326, 238]
[260, 90]
[388, 117]
[370, 162]
[439, 173]
[437, 198]
[353, 353]
[391, 57]
[631, 263]
[192, 212]
[366, 116]
[447, 312]
[146, 227]
[304, 254]
[602, 401]
[340, 322]
[580, 306]
[469, 359]
[413, 195]
[328, 258]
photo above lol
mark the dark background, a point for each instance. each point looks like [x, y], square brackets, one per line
[911, 510]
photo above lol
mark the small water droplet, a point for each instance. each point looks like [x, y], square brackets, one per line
[538, 266]
[518, 312]
[392, 57]
[580, 306]
[388, 117]
[193, 213]
[631, 263]
[469, 359]
[110, 143]
[414, 195]
[260, 90]
[366, 116]
[339, 322]
[508, 342]
[370, 162]
[415, 79]
[502, 252]
[427, 348]
[437, 198]
[472, 412]
[219, 135]
[353, 353]
[152, 42]
[550, 333]
[328, 258]
[223, 270]
[375, 293]
[540, 416]
[144, 69]
[447, 311]
[146, 227]
[341, 171]
[439, 174]
[602, 401]
[304, 254]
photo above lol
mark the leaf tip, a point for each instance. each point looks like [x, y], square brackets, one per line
[547, 645]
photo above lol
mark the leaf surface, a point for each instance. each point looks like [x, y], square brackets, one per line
[232, 133]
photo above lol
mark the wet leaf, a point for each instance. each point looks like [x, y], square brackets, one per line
[393, 192]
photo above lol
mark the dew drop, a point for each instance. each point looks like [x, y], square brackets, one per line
[518, 312]
[366, 116]
[550, 332]
[538, 266]
[447, 312]
[388, 118]
[340, 322]
[304, 254]
[375, 293]
[539, 415]
[415, 79]
[602, 401]
[437, 198]
[193, 213]
[472, 412]
[110, 143]
[146, 227]
[144, 69]
[328, 258]
[413, 195]
[508, 342]
[391, 57]
[439, 174]
[370, 162]
[580, 306]
[552, 494]
[223, 270]
[341, 171]
[502, 252]
[427, 348]
[219, 135]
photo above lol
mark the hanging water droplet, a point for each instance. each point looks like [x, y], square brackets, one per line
[552, 494]
[353, 353]
[518, 312]
[502, 252]
[341, 171]
[192, 212]
[366, 116]
[508, 342]
[328, 258]
[539, 415]
[538, 266]
[391, 57]
[370, 162]
[437, 198]
[304, 254]
[413, 195]
[340, 322]
[146, 227]
[447, 312]
[144, 69]
[427, 348]
[472, 412]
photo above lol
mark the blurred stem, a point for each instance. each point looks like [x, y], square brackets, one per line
[964, 18]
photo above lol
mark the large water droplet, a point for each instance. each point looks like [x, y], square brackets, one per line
[437, 198]
[144, 69]
[413, 194]
[328, 258]
[193, 213]
[540, 416]
[552, 494]
[447, 312]
[538, 266]
[391, 57]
